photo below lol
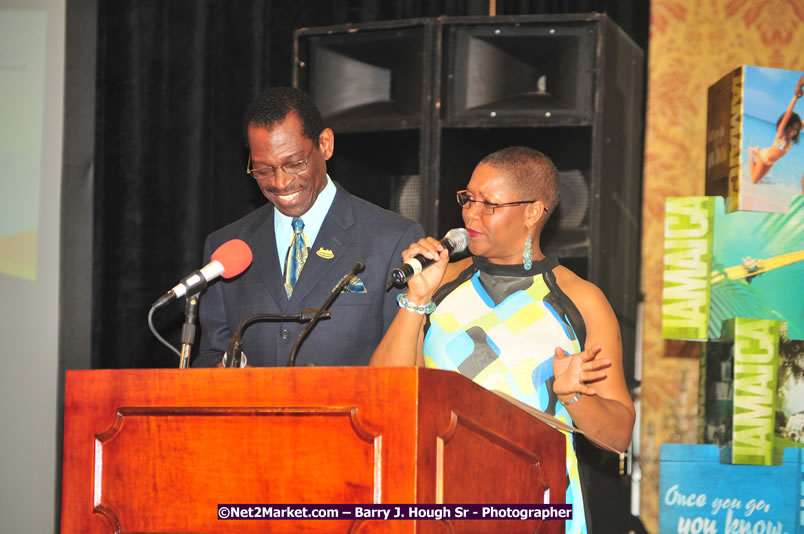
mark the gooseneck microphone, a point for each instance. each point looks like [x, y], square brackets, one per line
[228, 260]
[356, 268]
[456, 240]
[234, 355]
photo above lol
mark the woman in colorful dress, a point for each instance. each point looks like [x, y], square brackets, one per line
[512, 319]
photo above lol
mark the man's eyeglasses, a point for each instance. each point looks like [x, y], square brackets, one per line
[465, 201]
[292, 167]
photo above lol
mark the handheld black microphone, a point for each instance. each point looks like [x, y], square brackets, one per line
[356, 268]
[456, 240]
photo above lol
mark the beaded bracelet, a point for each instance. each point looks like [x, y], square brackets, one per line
[403, 301]
[573, 400]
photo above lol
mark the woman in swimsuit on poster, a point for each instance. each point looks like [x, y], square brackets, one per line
[788, 128]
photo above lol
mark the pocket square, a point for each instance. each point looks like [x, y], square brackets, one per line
[355, 285]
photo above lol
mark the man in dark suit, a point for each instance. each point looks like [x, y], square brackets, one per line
[308, 237]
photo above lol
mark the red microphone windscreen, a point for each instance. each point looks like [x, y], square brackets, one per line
[234, 255]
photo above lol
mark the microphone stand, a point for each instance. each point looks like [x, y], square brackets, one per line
[188, 330]
[234, 350]
[356, 268]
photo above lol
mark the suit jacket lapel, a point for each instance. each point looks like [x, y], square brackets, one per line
[266, 259]
[334, 238]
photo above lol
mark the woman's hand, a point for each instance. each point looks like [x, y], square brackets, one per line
[422, 286]
[402, 343]
[575, 372]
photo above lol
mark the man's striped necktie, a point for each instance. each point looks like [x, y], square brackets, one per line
[296, 256]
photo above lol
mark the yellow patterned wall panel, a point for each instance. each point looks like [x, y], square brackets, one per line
[692, 45]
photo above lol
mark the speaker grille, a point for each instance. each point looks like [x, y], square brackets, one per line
[406, 198]
[574, 203]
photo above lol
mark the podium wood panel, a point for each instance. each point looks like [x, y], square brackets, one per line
[158, 450]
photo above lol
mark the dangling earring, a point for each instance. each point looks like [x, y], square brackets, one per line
[527, 253]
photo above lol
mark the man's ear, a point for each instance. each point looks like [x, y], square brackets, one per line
[326, 143]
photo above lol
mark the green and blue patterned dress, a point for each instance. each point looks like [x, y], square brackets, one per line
[499, 325]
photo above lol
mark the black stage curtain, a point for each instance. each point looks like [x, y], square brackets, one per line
[173, 80]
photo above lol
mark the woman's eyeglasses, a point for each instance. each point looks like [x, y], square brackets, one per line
[465, 201]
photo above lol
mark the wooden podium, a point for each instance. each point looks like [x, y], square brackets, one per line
[158, 450]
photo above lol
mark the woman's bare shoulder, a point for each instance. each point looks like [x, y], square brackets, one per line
[580, 291]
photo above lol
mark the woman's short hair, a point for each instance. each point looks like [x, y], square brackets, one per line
[532, 174]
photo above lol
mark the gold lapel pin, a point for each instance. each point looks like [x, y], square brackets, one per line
[324, 253]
